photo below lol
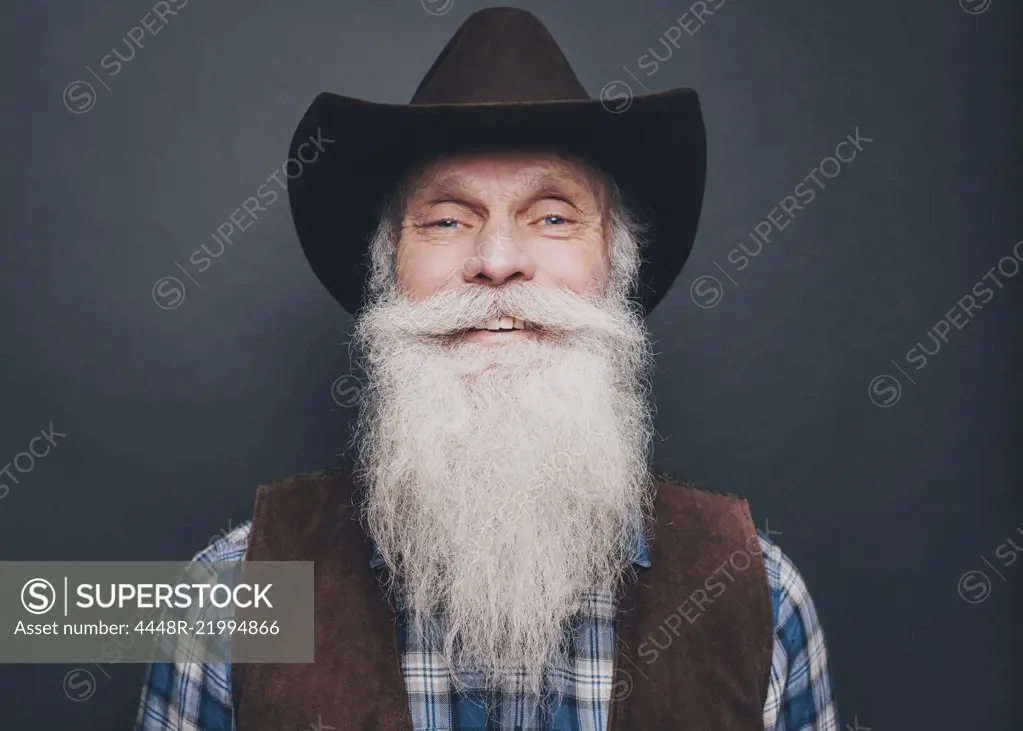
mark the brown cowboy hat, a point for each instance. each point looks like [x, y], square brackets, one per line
[500, 81]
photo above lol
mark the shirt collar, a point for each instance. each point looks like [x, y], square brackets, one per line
[640, 555]
[377, 561]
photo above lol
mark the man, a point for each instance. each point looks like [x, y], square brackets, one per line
[515, 565]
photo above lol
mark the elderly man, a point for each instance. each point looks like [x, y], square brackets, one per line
[501, 557]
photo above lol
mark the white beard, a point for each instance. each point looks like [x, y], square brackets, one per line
[504, 482]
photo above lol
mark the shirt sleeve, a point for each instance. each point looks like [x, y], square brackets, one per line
[800, 695]
[186, 695]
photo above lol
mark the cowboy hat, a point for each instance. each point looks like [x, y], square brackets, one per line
[501, 81]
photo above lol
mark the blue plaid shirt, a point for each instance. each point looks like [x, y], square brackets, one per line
[196, 696]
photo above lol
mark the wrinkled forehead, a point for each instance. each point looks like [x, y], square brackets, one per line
[526, 171]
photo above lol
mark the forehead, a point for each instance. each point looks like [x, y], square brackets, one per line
[525, 171]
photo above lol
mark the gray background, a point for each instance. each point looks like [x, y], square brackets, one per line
[173, 416]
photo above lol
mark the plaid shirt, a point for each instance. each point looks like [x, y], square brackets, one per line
[197, 696]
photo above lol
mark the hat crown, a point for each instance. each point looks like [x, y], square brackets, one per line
[500, 55]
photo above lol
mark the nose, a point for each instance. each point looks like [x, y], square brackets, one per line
[498, 258]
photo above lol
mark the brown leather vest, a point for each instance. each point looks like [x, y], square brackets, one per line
[694, 639]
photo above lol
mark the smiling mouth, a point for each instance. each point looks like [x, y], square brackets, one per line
[502, 323]
[500, 327]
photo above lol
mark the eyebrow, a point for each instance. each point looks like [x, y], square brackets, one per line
[554, 185]
[454, 187]
[449, 187]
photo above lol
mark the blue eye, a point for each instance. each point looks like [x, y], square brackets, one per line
[548, 218]
[445, 223]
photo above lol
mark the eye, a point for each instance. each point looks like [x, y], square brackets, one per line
[444, 223]
[554, 219]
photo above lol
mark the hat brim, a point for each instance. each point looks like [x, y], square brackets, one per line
[654, 147]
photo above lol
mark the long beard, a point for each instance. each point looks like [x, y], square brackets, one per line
[504, 482]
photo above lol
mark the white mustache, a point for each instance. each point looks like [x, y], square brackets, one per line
[553, 311]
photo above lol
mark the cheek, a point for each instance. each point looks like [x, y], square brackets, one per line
[580, 268]
[425, 270]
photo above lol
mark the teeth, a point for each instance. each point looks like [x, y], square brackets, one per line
[504, 322]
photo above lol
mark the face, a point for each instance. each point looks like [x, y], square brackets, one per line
[506, 469]
[496, 218]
